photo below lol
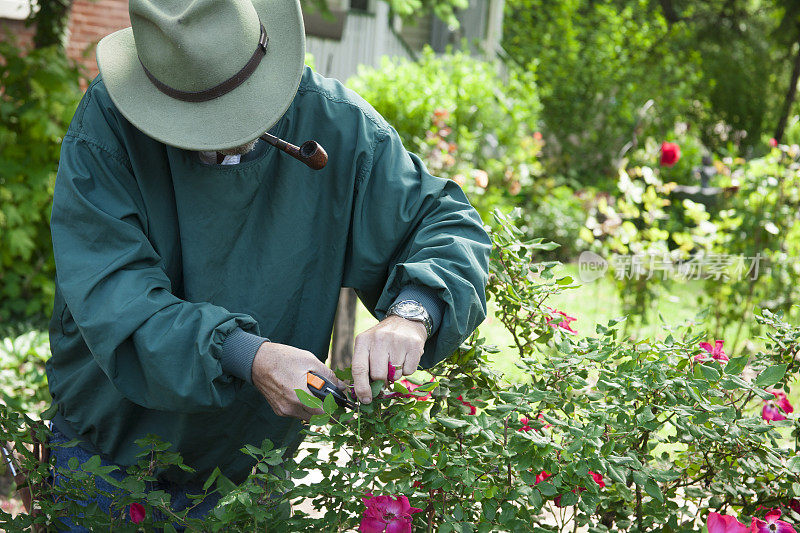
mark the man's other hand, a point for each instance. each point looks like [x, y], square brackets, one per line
[395, 342]
[279, 369]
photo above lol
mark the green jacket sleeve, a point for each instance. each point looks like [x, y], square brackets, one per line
[412, 228]
[159, 351]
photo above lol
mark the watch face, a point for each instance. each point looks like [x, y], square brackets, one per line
[408, 309]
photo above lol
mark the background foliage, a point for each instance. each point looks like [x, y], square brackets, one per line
[611, 71]
[40, 93]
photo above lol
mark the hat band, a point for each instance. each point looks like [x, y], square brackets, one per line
[224, 87]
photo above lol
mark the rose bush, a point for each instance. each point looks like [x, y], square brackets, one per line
[606, 434]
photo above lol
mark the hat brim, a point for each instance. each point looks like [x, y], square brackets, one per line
[230, 120]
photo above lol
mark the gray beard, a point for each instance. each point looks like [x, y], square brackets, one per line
[240, 150]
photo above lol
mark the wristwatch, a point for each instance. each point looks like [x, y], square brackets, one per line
[412, 310]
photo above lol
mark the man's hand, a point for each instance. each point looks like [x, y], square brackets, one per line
[395, 342]
[279, 369]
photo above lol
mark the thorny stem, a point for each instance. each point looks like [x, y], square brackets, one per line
[639, 507]
[430, 511]
[505, 445]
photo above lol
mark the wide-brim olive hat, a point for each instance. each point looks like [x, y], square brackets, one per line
[217, 87]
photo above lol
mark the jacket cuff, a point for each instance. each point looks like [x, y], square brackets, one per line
[428, 299]
[238, 352]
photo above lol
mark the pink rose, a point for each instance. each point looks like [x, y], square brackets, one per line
[387, 514]
[564, 324]
[716, 352]
[772, 524]
[718, 523]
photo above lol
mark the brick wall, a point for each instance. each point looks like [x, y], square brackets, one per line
[89, 22]
[16, 28]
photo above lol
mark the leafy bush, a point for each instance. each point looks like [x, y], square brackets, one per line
[761, 220]
[40, 93]
[23, 382]
[606, 69]
[608, 434]
[477, 125]
[614, 71]
[466, 117]
[640, 225]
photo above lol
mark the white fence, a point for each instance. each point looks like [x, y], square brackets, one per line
[365, 39]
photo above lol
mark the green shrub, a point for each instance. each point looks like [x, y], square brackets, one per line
[40, 93]
[760, 219]
[611, 72]
[468, 120]
[606, 435]
[473, 123]
[23, 382]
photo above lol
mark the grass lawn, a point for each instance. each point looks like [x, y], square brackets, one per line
[591, 303]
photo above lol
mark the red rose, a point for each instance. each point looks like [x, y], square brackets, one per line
[670, 153]
[137, 512]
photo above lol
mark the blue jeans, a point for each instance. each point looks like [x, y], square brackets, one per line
[179, 499]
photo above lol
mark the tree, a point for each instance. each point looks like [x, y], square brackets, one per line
[50, 17]
[598, 63]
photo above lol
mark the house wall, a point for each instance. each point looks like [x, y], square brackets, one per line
[17, 29]
[89, 22]
[417, 34]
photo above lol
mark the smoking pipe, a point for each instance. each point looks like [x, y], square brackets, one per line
[309, 153]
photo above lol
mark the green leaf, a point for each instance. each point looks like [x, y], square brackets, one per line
[709, 372]
[617, 475]
[451, 423]
[329, 404]
[734, 383]
[569, 499]
[489, 509]
[770, 376]
[50, 412]
[427, 387]
[736, 365]
[614, 321]
[92, 464]
[652, 488]
[546, 488]
[376, 387]
[422, 457]
[794, 464]
[211, 478]
[764, 395]
[319, 420]
[307, 399]
[345, 374]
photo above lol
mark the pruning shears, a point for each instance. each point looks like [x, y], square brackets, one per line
[322, 387]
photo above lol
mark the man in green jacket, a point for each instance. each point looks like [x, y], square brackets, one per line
[198, 268]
